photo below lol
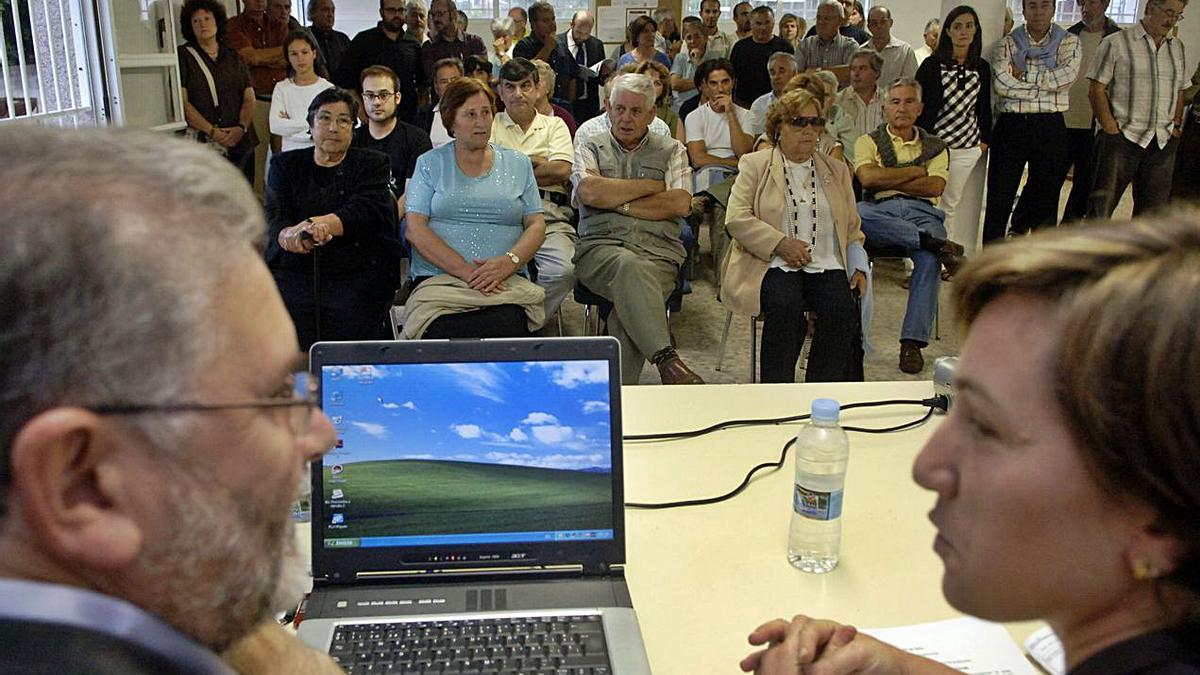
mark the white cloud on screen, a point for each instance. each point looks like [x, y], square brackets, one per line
[550, 434]
[559, 461]
[592, 407]
[539, 418]
[371, 429]
[479, 379]
[467, 430]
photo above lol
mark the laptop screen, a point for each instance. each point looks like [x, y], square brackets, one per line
[451, 454]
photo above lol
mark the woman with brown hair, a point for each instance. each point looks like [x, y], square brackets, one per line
[640, 35]
[474, 219]
[290, 98]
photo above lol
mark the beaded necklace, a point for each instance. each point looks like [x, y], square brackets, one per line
[794, 226]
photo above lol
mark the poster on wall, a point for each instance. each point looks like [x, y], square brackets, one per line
[612, 21]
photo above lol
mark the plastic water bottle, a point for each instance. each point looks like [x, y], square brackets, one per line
[822, 450]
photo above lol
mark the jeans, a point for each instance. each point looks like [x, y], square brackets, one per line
[899, 222]
[785, 296]
[1120, 161]
[1039, 139]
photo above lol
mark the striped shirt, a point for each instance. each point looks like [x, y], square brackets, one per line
[1143, 82]
[813, 52]
[957, 123]
[1041, 89]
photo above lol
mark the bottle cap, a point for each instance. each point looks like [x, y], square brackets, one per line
[825, 409]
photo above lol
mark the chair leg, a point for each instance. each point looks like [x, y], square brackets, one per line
[753, 349]
[587, 320]
[937, 319]
[724, 339]
[559, 314]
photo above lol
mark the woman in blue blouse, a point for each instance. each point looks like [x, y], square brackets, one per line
[641, 34]
[474, 218]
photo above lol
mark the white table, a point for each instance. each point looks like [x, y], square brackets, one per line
[703, 577]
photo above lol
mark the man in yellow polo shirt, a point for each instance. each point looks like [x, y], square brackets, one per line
[547, 142]
[903, 172]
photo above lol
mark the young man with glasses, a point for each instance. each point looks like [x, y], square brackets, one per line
[400, 141]
[147, 465]
[1136, 85]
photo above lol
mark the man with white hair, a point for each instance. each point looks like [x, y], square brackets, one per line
[416, 22]
[781, 67]
[629, 248]
[149, 464]
[827, 49]
[933, 32]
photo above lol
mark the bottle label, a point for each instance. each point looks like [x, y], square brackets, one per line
[817, 505]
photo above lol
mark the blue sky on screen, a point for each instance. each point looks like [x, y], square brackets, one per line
[544, 414]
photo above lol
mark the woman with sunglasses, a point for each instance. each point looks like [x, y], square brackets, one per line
[797, 247]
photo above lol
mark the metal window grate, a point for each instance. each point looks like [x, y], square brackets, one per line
[43, 67]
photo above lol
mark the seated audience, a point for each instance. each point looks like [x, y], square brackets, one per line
[781, 68]
[386, 133]
[826, 48]
[716, 132]
[860, 105]
[502, 43]
[1066, 472]
[429, 118]
[661, 78]
[478, 67]
[632, 189]
[641, 33]
[903, 172]
[548, 106]
[226, 122]
[683, 68]
[601, 124]
[474, 220]
[547, 143]
[798, 249]
[750, 56]
[956, 100]
[149, 464]
[333, 226]
[290, 98]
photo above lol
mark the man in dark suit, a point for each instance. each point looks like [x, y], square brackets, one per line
[147, 477]
[587, 51]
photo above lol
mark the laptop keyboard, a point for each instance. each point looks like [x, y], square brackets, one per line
[542, 645]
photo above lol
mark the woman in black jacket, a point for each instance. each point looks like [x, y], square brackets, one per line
[333, 246]
[956, 90]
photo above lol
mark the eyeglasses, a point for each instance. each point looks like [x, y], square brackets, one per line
[299, 405]
[326, 119]
[801, 122]
[378, 96]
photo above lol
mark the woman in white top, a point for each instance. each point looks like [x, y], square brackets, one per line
[291, 98]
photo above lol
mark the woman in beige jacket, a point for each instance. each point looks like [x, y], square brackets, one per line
[797, 247]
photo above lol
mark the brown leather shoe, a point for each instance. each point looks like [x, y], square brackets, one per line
[673, 370]
[911, 361]
[950, 255]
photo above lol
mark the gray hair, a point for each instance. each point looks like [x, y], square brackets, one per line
[660, 14]
[872, 57]
[935, 23]
[635, 83]
[835, 4]
[418, 4]
[502, 26]
[108, 295]
[904, 82]
[780, 56]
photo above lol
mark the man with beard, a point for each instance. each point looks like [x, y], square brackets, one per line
[146, 476]
[385, 45]
[399, 140]
[448, 40]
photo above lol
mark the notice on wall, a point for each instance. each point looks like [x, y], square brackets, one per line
[611, 22]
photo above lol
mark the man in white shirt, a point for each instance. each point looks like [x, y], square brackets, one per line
[898, 57]
[430, 118]
[547, 143]
[933, 31]
[716, 131]
[782, 68]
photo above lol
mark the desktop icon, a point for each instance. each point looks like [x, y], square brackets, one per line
[337, 494]
[336, 469]
[338, 519]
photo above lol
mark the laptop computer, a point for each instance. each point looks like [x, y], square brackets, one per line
[471, 518]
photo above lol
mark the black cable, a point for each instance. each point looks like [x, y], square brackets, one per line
[776, 465]
[935, 402]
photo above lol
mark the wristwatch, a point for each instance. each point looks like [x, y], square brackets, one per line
[516, 259]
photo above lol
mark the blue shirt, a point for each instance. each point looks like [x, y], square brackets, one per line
[627, 58]
[477, 217]
[69, 606]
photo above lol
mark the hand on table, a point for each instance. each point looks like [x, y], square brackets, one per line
[490, 273]
[819, 647]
